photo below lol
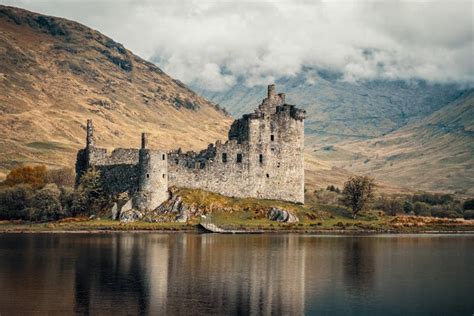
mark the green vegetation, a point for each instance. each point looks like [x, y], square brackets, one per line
[39, 194]
[358, 193]
[39, 199]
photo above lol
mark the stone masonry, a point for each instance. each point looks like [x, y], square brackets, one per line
[262, 158]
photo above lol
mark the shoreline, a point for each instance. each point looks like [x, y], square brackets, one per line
[269, 232]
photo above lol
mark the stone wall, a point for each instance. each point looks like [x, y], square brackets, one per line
[263, 157]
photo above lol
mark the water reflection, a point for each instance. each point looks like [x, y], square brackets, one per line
[242, 274]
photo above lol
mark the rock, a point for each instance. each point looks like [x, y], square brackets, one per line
[114, 211]
[279, 215]
[127, 206]
[129, 216]
[183, 218]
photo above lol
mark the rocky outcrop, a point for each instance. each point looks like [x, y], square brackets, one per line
[130, 216]
[173, 209]
[280, 215]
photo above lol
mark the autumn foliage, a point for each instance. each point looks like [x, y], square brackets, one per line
[34, 176]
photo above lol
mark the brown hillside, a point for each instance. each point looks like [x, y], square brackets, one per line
[435, 153]
[55, 74]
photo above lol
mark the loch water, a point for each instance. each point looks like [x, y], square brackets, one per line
[199, 274]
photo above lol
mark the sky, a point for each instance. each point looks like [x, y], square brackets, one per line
[213, 44]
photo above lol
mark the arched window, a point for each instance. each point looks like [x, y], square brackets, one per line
[260, 158]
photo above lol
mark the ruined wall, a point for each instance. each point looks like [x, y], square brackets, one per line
[263, 157]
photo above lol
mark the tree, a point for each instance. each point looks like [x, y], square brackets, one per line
[358, 193]
[14, 201]
[62, 177]
[407, 207]
[468, 205]
[35, 176]
[422, 209]
[89, 197]
[45, 204]
[391, 206]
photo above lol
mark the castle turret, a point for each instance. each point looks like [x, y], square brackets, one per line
[271, 90]
[152, 177]
[90, 142]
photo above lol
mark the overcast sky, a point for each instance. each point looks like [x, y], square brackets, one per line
[213, 43]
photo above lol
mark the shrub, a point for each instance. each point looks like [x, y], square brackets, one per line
[408, 207]
[35, 176]
[468, 205]
[46, 205]
[89, 197]
[433, 199]
[14, 201]
[469, 214]
[391, 206]
[422, 209]
[63, 177]
[440, 211]
[333, 188]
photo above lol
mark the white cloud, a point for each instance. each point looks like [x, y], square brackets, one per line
[214, 43]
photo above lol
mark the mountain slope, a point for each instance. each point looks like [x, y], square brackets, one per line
[338, 110]
[55, 74]
[435, 153]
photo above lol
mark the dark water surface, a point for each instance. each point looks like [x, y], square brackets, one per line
[195, 274]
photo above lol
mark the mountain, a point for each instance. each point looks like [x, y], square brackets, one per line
[435, 153]
[412, 135]
[339, 110]
[56, 73]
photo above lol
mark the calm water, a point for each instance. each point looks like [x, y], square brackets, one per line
[242, 274]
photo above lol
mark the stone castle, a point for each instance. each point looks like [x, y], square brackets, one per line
[262, 158]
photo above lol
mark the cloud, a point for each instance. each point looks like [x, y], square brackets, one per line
[213, 44]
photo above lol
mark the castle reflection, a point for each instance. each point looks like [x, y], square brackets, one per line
[183, 273]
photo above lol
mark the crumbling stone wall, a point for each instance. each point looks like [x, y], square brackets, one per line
[263, 157]
[142, 173]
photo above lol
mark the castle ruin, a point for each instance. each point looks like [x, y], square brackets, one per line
[262, 158]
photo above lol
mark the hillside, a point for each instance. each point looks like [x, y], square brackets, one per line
[435, 153]
[55, 74]
[338, 110]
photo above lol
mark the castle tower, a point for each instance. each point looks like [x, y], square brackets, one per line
[90, 141]
[152, 177]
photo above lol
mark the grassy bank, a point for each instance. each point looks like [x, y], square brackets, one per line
[251, 214]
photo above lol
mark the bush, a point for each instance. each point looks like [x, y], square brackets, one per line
[391, 206]
[46, 205]
[440, 211]
[34, 176]
[433, 199]
[408, 207]
[422, 209]
[468, 205]
[469, 214]
[63, 177]
[14, 201]
[89, 197]
[333, 188]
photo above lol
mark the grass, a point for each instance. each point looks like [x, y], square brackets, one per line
[89, 225]
[251, 214]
